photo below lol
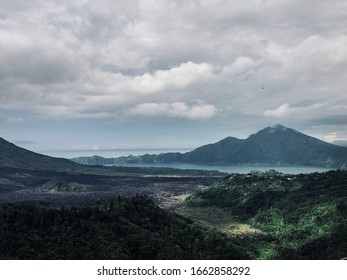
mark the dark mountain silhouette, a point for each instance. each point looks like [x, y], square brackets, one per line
[272, 145]
[275, 145]
[16, 157]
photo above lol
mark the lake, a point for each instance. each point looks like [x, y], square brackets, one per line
[242, 169]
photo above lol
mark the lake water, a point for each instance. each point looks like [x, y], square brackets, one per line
[242, 169]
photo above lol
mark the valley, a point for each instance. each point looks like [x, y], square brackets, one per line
[20, 186]
[269, 215]
[50, 207]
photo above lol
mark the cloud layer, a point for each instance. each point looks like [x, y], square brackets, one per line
[176, 110]
[274, 61]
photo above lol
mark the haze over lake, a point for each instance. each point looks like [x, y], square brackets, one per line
[111, 153]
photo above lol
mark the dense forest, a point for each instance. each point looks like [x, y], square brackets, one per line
[122, 228]
[301, 216]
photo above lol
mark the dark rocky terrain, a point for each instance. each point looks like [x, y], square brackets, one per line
[64, 188]
[28, 177]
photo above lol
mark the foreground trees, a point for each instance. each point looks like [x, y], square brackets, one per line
[122, 228]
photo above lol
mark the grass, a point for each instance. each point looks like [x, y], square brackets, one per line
[219, 219]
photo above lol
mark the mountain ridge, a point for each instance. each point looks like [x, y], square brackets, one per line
[17, 157]
[276, 144]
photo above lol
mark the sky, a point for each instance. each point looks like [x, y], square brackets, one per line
[169, 74]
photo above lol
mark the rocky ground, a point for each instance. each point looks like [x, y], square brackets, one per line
[61, 189]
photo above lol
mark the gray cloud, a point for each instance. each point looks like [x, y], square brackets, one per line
[277, 61]
[24, 142]
[3, 119]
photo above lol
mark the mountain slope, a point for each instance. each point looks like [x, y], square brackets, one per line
[14, 156]
[272, 145]
[302, 216]
[122, 228]
[224, 151]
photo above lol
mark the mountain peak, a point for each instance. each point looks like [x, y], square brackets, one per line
[277, 128]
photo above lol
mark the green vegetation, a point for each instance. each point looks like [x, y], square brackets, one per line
[122, 228]
[243, 216]
[301, 216]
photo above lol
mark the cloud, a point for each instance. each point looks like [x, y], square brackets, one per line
[317, 59]
[175, 78]
[75, 60]
[175, 110]
[9, 120]
[29, 57]
[331, 137]
[279, 112]
[99, 91]
[241, 65]
[24, 142]
[299, 111]
[3, 119]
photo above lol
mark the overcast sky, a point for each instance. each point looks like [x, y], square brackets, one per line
[169, 74]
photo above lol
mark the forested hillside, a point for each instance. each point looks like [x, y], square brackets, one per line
[122, 228]
[301, 216]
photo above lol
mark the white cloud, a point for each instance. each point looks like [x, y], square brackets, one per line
[178, 77]
[301, 112]
[241, 65]
[278, 112]
[331, 137]
[102, 90]
[175, 110]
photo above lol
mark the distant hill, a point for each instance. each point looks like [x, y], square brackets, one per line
[14, 156]
[272, 145]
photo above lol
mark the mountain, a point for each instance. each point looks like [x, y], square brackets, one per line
[16, 157]
[272, 145]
